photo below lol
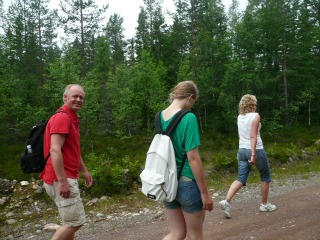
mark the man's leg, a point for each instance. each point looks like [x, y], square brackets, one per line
[65, 233]
[70, 209]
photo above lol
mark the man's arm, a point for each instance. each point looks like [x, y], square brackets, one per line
[85, 173]
[57, 141]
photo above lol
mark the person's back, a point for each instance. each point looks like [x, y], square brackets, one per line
[244, 122]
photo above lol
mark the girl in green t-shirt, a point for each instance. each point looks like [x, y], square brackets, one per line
[186, 213]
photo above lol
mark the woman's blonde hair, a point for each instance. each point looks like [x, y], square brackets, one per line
[248, 103]
[184, 90]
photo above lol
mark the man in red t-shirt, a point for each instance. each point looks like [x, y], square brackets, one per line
[60, 176]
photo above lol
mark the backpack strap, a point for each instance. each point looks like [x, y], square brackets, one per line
[182, 164]
[170, 129]
[157, 122]
[172, 125]
[174, 122]
[58, 111]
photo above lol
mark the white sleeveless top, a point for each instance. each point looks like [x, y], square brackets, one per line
[244, 128]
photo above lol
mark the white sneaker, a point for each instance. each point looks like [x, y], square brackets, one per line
[267, 207]
[225, 207]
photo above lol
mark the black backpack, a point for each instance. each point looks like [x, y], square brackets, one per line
[33, 161]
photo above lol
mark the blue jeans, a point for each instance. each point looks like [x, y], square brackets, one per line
[262, 164]
[188, 196]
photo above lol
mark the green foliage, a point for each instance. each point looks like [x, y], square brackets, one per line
[283, 153]
[224, 161]
[142, 94]
[219, 153]
[289, 144]
[115, 164]
[82, 20]
[271, 127]
[10, 168]
[101, 58]
[117, 178]
[112, 175]
[115, 39]
[123, 111]
[32, 117]
[270, 50]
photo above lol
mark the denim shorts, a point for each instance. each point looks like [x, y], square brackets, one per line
[188, 196]
[70, 209]
[262, 164]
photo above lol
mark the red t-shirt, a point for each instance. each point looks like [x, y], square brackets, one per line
[63, 123]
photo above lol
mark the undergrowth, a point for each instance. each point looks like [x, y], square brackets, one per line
[115, 163]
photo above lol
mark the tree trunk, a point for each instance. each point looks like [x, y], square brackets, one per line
[285, 83]
[83, 52]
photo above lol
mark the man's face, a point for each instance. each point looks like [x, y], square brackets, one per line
[74, 99]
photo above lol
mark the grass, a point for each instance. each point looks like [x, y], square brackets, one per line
[130, 203]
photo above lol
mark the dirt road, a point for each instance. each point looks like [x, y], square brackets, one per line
[297, 218]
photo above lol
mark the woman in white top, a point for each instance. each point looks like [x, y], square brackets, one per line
[251, 152]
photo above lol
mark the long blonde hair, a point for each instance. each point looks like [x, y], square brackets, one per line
[183, 90]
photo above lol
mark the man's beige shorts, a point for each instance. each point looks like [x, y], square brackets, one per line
[71, 209]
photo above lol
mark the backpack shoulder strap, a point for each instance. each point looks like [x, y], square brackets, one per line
[172, 125]
[62, 111]
[157, 121]
[59, 111]
[174, 122]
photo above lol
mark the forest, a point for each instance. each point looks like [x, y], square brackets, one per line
[271, 50]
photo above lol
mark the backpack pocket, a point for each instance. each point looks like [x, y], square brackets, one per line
[153, 185]
[151, 177]
[32, 163]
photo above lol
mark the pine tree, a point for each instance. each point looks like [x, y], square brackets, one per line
[115, 39]
[82, 21]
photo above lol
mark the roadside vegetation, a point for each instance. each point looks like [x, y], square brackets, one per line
[115, 163]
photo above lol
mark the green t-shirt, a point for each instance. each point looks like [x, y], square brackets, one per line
[185, 138]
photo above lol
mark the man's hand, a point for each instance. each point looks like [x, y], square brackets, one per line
[88, 178]
[64, 189]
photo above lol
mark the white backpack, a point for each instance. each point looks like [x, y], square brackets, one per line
[159, 177]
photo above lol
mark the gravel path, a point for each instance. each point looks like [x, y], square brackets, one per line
[152, 224]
